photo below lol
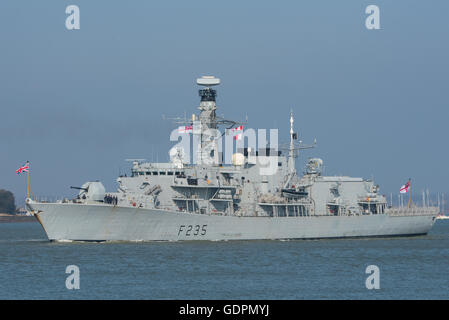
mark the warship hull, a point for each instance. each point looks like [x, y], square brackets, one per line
[99, 222]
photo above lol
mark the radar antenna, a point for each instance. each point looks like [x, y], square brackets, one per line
[294, 146]
[293, 150]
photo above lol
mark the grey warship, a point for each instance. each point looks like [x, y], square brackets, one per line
[210, 199]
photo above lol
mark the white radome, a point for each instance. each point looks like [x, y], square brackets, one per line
[208, 81]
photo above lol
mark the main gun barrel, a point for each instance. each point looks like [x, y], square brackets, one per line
[79, 188]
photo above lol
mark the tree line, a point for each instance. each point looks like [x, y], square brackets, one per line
[7, 202]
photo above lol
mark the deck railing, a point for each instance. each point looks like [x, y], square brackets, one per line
[413, 211]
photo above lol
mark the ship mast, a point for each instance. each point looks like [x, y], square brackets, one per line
[205, 128]
[291, 151]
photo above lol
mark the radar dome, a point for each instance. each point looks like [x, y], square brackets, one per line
[238, 159]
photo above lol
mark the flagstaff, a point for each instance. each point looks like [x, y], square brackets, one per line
[22, 169]
[410, 194]
[405, 189]
[28, 184]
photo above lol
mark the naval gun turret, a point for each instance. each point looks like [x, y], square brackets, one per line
[92, 190]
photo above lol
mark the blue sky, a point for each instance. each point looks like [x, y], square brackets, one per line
[77, 103]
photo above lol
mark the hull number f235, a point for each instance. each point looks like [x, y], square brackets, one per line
[192, 230]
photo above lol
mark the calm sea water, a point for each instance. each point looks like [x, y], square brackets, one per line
[410, 268]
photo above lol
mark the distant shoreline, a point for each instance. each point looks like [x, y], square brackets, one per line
[5, 218]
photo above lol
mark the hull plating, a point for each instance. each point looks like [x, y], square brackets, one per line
[109, 223]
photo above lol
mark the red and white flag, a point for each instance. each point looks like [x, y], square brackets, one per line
[23, 168]
[185, 129]
[237, 132]
[238, 129]
[405, 187]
